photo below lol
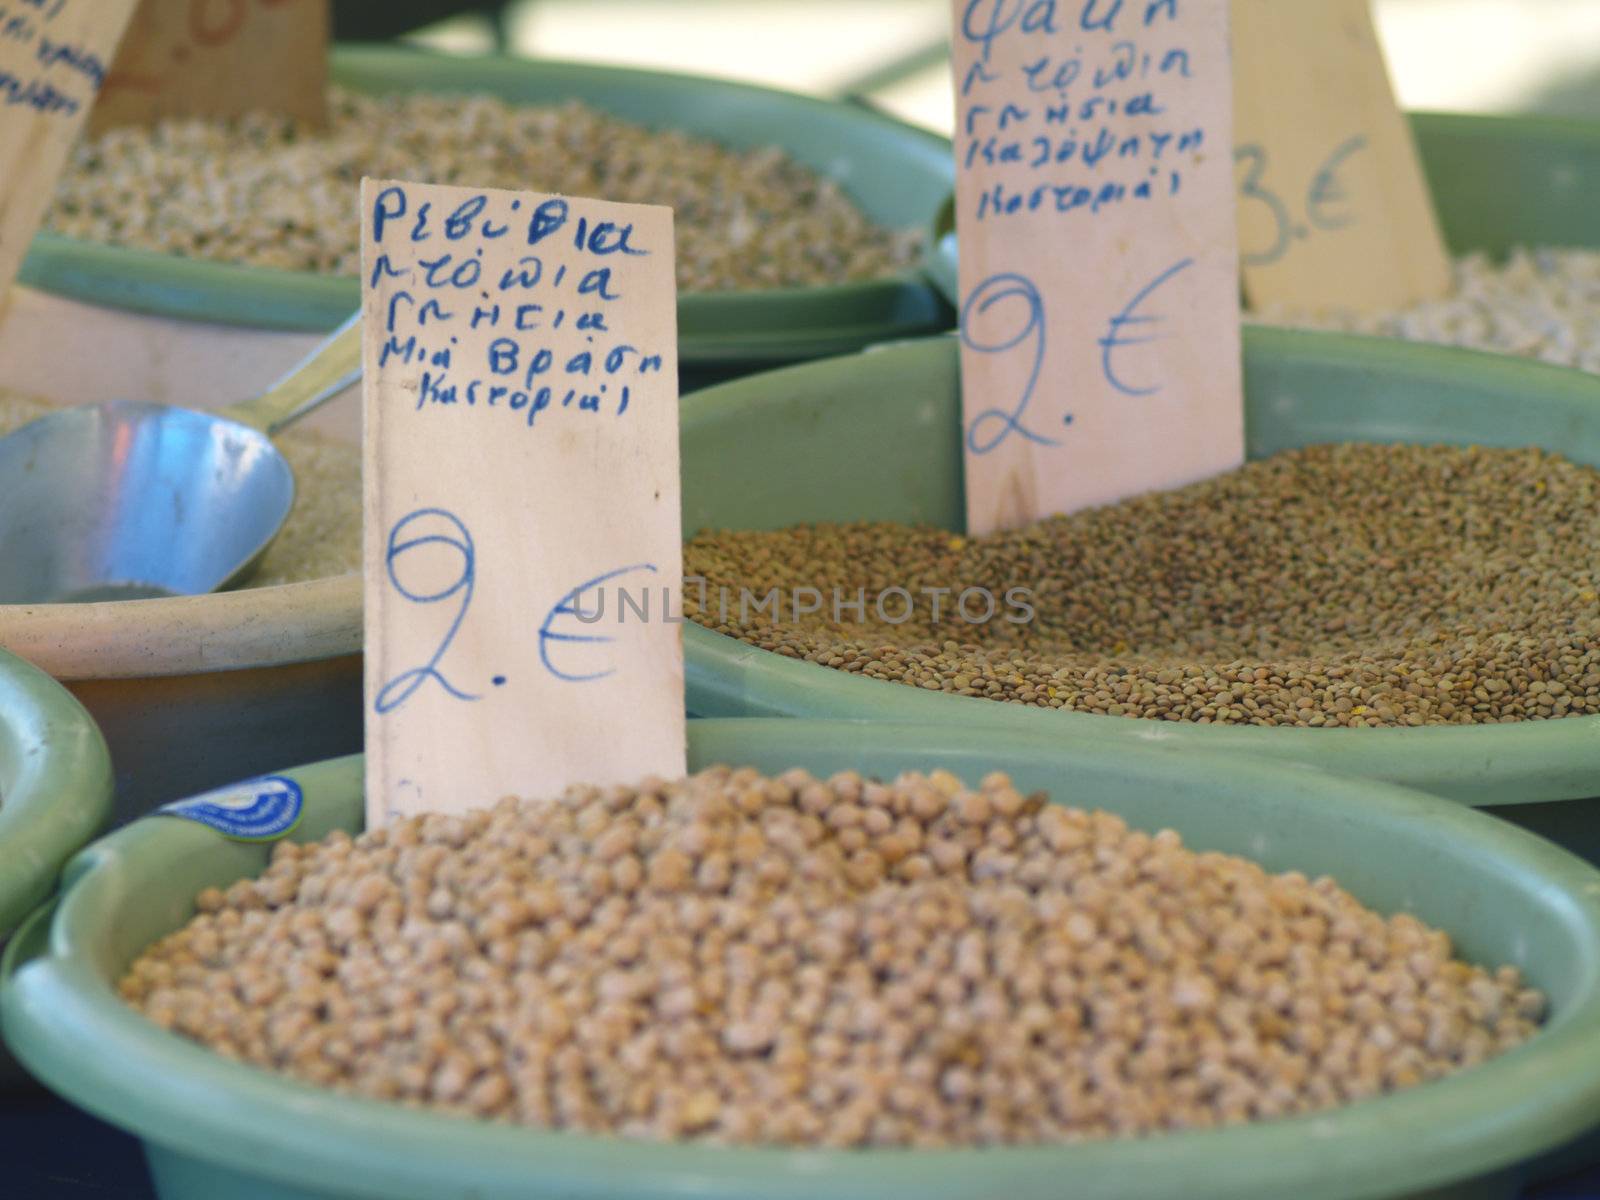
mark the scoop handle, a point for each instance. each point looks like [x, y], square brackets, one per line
[327, 371]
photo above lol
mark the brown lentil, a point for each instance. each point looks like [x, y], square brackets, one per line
[322, 536]
[735, 958]
[1341, 585]
[261, 191]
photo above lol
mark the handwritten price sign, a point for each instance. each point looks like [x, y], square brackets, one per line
[53, 56]
[1099, 322]
[524, 546]
[219, 58]
[1334, 211]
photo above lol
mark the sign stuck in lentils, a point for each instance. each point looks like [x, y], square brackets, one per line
[262, 191]
[840, 962]
[1542, 304]
[1340, 585]
[322, 536]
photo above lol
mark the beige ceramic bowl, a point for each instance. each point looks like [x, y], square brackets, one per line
[194, 692]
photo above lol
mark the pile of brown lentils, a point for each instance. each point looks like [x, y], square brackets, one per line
[264, 191]
[805, 962]
[1340, 585]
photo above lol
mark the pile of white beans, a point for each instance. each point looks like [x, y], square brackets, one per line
[1542, 304]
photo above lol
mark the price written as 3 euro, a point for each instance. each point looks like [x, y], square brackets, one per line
[1326, 207]
[1334, 207]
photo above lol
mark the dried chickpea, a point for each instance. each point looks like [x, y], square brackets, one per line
[1062, 977]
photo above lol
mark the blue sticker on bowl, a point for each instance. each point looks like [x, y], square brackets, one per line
[257, 810]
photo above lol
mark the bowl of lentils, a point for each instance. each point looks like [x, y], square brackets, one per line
[1400, 583]
[867, 961]
[799, 223]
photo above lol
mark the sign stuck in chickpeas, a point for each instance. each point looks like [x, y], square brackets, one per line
[523, 539]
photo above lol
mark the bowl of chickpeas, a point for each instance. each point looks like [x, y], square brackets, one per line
[873, 960]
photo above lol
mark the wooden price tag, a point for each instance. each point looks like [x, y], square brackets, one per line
[524, 557]
[219, 58]
[1099, 272]
[1334, 210]
[53, 56]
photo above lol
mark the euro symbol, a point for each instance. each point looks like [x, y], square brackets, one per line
[1114, 341]
[1326, 188]
[571, 605]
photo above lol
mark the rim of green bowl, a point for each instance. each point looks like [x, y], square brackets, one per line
[195, 1103]
[1563, 135]
[55, 785]
[1548, 760]
[766, 325]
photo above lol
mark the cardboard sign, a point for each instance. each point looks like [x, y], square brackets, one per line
[524, 556]
[1334, 210]
[219, 58]
[1099, 274]
[53, 56]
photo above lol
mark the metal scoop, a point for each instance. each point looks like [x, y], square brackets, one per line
[128, 501]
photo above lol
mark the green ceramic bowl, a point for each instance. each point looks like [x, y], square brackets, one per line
[55, 793]
[876, 436]
[1503, 182]
[217, 1130]
[897, 174]
[55, 785]
[1497, 183]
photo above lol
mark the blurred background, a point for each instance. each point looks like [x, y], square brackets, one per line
[1463, 55]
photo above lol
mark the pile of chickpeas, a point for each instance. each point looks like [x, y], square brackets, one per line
[819, 962]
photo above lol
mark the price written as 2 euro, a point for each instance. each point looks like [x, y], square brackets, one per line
[523, 526]
[1099, 317]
